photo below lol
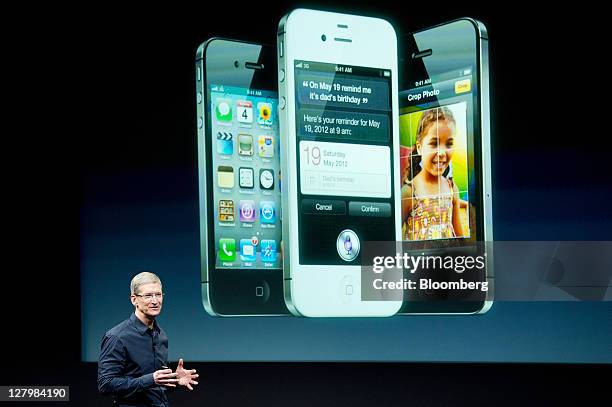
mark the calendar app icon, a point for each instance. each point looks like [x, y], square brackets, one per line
[244, 111]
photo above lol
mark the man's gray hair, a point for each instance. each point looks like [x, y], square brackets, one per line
[145, 277]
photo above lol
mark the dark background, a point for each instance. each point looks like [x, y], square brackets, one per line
[131, 113]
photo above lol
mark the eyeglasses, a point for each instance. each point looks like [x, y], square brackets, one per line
[149, 297]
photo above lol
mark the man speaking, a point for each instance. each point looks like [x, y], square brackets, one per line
[133, 365]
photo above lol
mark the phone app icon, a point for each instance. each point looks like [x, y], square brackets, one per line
[265, 113]
[267, 212]
[245, 144]
[247, 211]
[227, 249]
[268, 250]
[266, 146]
[223, 110]
[244, 111]
[225, 176]
[225, 143]
[246, 177]
[266, 179]
[226, 210]
[247, 250]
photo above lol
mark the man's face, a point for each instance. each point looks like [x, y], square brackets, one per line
[148, 300]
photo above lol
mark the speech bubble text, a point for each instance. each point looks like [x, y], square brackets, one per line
[346, 125]
[340, 91]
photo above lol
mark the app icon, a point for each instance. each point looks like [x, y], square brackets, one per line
[244, 111]
[247, 250]
[225, 143]
[223, 110]
[227, 249]
[266, 146]
[245, 144]
[266, 179]
[225, 176]
[268, 250]
[267, 212]
[226, 210]
[265, 113]
[245, 177]
[247, 211]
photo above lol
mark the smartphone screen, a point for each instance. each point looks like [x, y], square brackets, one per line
[345, 152]
[246, 178]
[441, 167]
[437, 158]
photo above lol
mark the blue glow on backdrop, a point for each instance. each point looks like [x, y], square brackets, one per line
[122, 233]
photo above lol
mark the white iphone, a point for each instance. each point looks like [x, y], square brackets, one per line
[338, 113]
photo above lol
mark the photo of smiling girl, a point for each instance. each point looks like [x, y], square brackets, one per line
[432, 207]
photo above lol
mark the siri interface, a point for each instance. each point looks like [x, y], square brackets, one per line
[344, 174]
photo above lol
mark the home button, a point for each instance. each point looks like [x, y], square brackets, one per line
[262, 291]
[348, 290]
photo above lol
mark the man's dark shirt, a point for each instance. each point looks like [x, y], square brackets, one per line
[130, 353]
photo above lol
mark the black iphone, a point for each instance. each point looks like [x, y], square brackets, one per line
[445, 166]
[239, 179]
